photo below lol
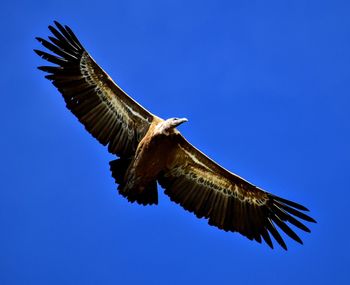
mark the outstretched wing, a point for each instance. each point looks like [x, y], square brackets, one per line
[229, 202]
[105, 110]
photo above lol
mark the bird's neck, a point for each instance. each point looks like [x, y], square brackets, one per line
[164, 128]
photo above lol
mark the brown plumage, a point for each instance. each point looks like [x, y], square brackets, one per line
[152, 150]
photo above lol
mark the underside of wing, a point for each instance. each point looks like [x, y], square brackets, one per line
[229, 202]
[105, 110]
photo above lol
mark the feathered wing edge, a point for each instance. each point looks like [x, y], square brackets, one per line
[228, 202]
[105, 110]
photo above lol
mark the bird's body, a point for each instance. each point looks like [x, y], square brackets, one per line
[151, 150]
[152, 156]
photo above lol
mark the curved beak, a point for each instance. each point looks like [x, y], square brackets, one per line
[180, 121]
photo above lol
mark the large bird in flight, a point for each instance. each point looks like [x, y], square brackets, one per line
[152, 150]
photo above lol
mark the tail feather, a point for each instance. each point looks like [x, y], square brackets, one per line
[147, 196]
[118, 168]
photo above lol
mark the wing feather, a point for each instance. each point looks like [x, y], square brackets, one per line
[228, 202]
[105, 110]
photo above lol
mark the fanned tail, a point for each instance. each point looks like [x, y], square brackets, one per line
[147, 196]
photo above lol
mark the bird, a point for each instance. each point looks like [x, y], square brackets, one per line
[151, 152]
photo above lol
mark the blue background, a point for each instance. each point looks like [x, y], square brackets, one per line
[265, 85]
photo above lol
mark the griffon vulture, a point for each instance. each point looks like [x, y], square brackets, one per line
[152, 150]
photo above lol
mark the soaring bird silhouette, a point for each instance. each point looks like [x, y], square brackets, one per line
[152, 150]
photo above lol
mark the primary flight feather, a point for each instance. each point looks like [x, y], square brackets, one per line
[152, 150]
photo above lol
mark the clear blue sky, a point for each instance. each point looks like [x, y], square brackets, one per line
[266, 87]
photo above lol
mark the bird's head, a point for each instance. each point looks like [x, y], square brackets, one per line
[175, 122]
[168, 126]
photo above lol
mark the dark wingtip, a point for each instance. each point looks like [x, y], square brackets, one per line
[298, 240]
[40, 40]
[306, 229]
[312, 220]
[38, 52]
[43, 68]
[272, 229]
[53, 29]
[283, 245]
[57, 23]
[266, 237]
[290, 203]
